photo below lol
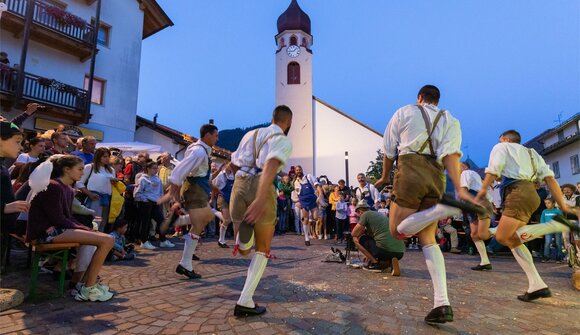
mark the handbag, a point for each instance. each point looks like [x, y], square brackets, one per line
[80, 195]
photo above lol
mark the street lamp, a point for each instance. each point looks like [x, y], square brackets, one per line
[346, 167]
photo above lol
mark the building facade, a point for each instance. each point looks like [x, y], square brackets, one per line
[560, 147]
[325, 140]
[55, 48]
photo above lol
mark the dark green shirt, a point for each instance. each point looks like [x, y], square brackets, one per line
[286, 188]
[377, 226]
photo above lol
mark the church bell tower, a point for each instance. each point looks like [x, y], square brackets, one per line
[294, 81]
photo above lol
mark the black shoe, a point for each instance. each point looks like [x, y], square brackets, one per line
[189, 274]
[560, 218]
[195, 258]
[486, 267]
[449, 200]
[541, 293]
[246, 231]
[242, 311]
[440, 314]
[223, 245]
[373, 267]
[307, 243]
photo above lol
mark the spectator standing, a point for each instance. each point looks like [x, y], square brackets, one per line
[548, 215]
[341, 215]
[147, 192]
[59, 143]
[285, 186]
[87, 152]
[383, 208]
[96, 185]
[282, 210]
[367, 191]
[344, 190]
[352, 214]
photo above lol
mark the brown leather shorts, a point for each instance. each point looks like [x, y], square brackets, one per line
[193, 196]
[243, 194]
[520, 200]
[419, 182]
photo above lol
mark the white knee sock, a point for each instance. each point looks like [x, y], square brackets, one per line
[223, 230]
[436, 266]
[188, 250]
[305, 228]
[531, 232]
[416, 222]
[525, 260]
[480, 245]
[255, 271]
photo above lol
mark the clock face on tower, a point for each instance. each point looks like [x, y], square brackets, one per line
[293, 51]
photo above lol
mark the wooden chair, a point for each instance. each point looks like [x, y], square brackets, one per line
[59, 251]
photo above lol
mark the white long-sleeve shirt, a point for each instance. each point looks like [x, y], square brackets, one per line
[472, 181]
[194, 164]
[406, 133]
[307, 179]
[98, 181]
[512, 160]
[277, 147]
[372, 191]
[221, 179]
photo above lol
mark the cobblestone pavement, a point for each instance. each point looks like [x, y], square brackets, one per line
[303, 296]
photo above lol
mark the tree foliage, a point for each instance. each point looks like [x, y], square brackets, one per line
[375, 169]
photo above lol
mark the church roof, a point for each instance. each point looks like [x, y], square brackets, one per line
[294, 18]
[346, 115]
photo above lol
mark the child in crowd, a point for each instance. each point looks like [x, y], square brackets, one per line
[547, 215]
[121, 251]
[341, 217]
[282, 213]
[149, 189]
[352, 215]
[383, 208]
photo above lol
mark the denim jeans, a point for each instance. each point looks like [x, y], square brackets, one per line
[282, 218]
[548, 241]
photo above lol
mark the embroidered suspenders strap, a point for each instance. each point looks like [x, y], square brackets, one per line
[534, 168]
[258, 148]
[430, 129]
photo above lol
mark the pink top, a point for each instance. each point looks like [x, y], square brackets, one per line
[352, 215]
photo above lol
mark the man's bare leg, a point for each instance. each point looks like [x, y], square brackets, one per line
[480, 233]
[199, 218]
[506, 235]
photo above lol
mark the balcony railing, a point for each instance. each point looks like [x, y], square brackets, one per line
[54, 18]
[44, 90]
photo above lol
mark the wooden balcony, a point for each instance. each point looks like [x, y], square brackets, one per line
[61, 100]
[50, 26]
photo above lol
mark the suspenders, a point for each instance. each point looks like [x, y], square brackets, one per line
[430, 130]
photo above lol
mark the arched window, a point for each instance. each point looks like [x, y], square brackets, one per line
[304, 42]
[282, 42]
[293, 40]
[293, 73]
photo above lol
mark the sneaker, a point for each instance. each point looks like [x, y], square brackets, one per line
[373, 267]
[166, 244]
[454, 251]
[93, 293]
[148, 245]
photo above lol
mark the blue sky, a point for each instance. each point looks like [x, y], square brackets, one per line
[499, 64]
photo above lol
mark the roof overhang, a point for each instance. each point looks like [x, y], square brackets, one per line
[155, 18]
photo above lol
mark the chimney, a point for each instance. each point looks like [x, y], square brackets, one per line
[155, 120]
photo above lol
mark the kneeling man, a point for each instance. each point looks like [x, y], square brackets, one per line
[373, 238]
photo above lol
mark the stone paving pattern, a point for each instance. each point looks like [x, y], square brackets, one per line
[303, 296]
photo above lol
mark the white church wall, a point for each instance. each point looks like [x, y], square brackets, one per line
[335, 134]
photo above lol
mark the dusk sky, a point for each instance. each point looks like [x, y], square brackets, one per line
[499, 64]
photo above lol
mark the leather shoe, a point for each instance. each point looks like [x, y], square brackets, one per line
[189, 274]
[479, 267]
[242, 311]
[223, 245]
[307, 243]
[440, 314]
[194, 258]
[541, 293]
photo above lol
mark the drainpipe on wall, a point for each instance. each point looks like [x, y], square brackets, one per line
[23, 55]
[93, 59]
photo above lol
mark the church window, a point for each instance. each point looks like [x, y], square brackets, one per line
[304, 42]
[282, 42]
[293, 40]
[293, 73]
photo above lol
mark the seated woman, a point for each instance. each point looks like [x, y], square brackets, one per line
[50, 219]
